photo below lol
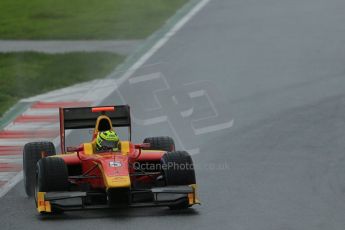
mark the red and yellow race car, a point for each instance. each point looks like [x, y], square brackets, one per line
[135, 175]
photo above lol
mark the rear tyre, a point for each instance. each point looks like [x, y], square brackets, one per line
[32, 153]
[178, 169]
[160, 143]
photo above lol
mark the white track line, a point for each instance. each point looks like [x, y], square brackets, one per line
[32, 126]
[159, 44]
[41, 112]
[21, 141]
[11, 183]
[11, 159]
[5, 175]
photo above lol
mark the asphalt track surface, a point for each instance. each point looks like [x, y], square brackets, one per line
[276, 68]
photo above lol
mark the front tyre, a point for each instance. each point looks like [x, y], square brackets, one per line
[52, 175]
[178, 169]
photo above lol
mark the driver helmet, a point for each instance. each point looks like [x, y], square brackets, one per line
[107, 140]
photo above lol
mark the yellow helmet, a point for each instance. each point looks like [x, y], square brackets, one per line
[107, 140]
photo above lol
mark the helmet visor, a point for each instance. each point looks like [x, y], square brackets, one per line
[108, 145]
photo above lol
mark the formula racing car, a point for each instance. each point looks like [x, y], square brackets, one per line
[148, 174]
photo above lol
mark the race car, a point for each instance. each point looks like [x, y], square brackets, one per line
[148, 174]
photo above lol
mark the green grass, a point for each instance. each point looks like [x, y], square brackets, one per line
[27, 74]
[83, 19]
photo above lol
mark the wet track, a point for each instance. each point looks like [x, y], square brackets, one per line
[274, 71]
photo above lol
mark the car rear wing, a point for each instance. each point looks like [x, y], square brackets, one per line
[86, 117]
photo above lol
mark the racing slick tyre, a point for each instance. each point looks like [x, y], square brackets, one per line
[52, 175]
[32, 153]
[178, 169]
[160, 143]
